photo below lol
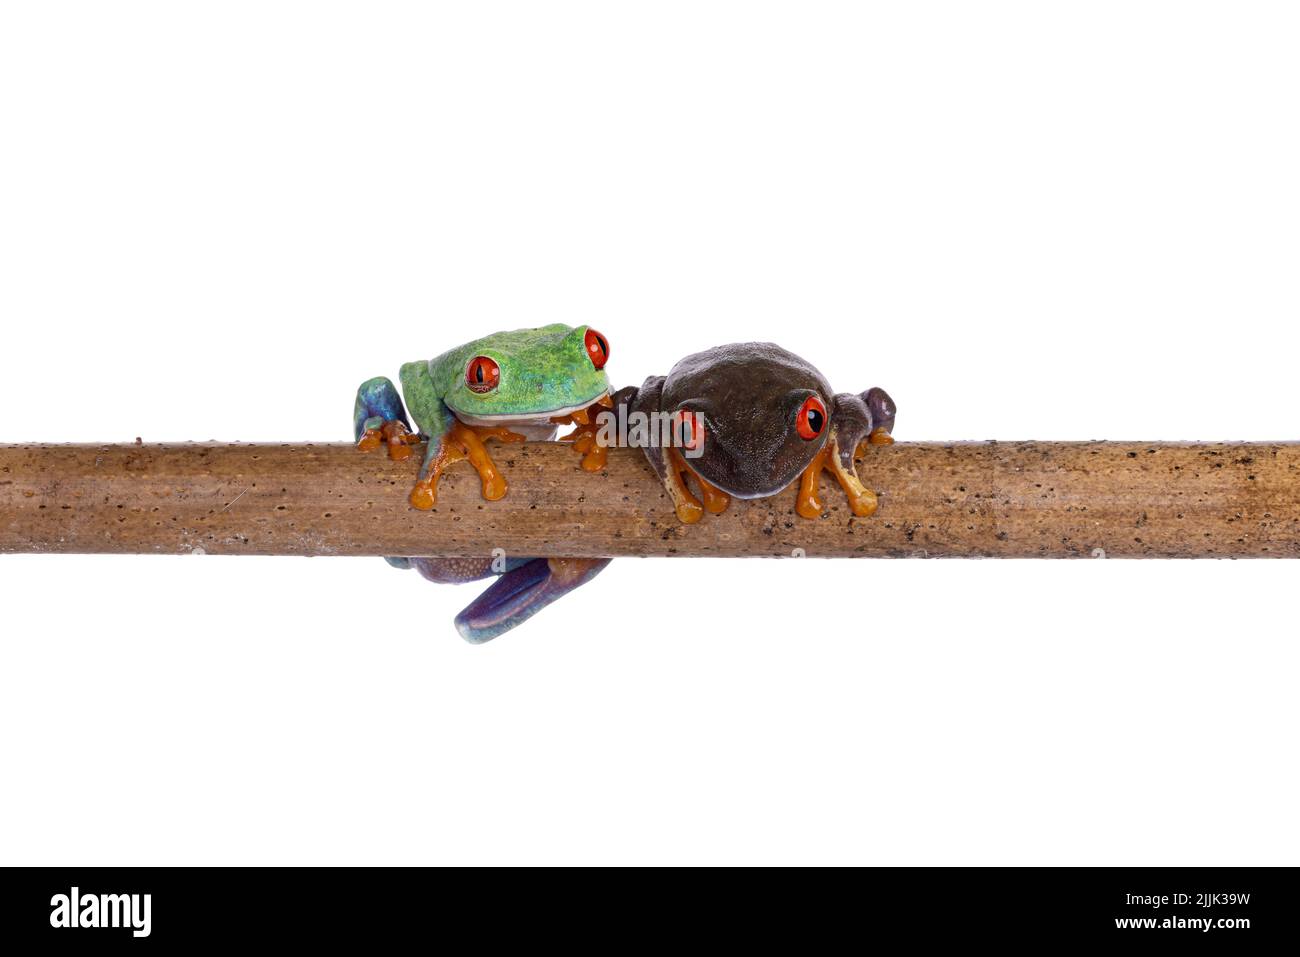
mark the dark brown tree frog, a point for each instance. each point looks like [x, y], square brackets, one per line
[750, 418]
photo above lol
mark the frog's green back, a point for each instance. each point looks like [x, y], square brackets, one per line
[541, 369]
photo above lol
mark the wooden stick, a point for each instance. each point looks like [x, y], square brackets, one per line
[992, 500]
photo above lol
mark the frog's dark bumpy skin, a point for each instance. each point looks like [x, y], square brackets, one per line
[748, 396]
[644, 401]
[856, 417]
[883, 410]
[524, 586]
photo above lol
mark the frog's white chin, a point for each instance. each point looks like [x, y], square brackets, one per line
[534, 426]
[722, 486]
[749, 495]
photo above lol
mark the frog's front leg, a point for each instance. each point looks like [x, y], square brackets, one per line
[640, 408]
[862, 500]
[379, 418]
[462, 441]
[450, 439]
[857, 419]
[585, 435]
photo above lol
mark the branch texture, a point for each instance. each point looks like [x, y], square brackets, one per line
[964, 500]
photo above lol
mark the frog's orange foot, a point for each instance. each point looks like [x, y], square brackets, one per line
[690, 509]
[392, 433]
[498, 432]
[594, 455]
[459, 442]
[880, 436]
[586, 434]
[715, 499]
[687, 507]
[425, 494]
[470, 440]
[862, 500]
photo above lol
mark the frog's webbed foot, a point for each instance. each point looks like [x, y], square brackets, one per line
[862, 500]
[671, 466]
[379, 418]
[462, 442]
[715, 499]
[686, 505]
[394, 433]
[867, 418]
[585, 432]
[689, 509]
[522, 592]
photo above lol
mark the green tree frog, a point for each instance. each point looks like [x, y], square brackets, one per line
[507, 387]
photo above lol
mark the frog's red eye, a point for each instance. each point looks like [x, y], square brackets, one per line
[597, 348]
[482, 375]
[690, 429]
[811, 418]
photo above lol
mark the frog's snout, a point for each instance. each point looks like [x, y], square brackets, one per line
[746, 471]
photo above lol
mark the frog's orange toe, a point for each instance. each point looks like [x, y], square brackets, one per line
[864, 504]
[423, 497]
[494, 487]
[715, 499]
[690, 512]
[862, 500]
[392, 433]
[585, 435]
[808, 506]
[806, 503]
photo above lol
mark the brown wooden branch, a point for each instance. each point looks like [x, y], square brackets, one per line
[966, 500]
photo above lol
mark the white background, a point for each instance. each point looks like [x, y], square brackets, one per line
[1023, 219]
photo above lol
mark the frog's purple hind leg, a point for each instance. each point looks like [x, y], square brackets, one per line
[856, 419]
[522, 592]
[883, 412]
[450, 571]
[525, 587]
